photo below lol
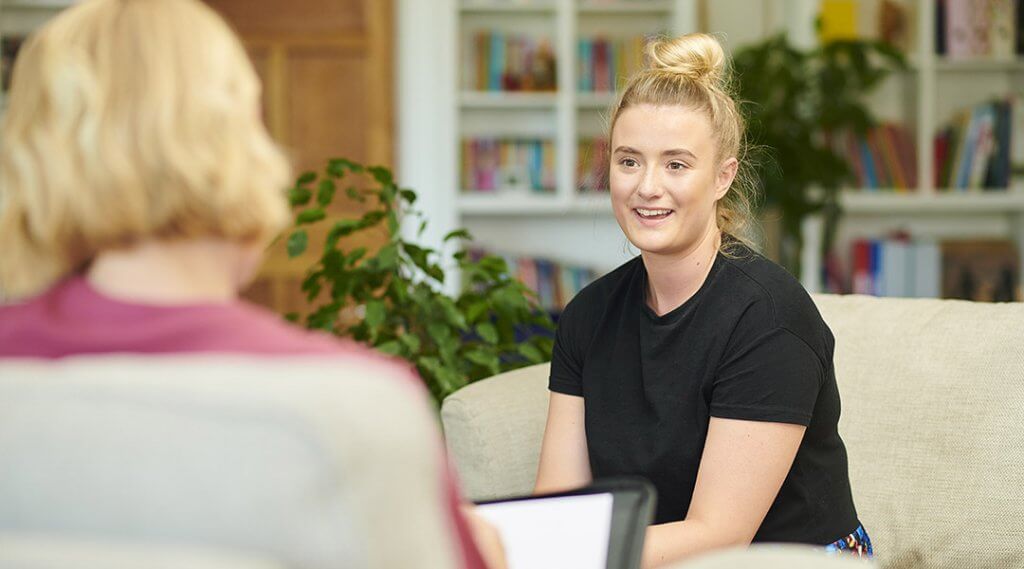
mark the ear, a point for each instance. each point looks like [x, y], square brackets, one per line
[726, 174]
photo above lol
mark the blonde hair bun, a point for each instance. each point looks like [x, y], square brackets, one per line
[697, 57]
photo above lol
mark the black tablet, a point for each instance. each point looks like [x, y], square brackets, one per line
[601, 526]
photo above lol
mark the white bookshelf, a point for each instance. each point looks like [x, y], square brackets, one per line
[933, 89]
[437, 111]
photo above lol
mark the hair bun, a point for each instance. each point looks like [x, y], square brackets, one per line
[698, 57]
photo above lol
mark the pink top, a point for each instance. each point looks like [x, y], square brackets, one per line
[72, 318]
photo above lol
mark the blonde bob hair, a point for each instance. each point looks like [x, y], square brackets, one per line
[692, 71]
[131, 120]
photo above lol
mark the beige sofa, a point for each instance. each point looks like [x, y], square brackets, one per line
[933, 408]
[217, 462]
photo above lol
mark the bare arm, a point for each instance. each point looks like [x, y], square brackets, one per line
[743, 466]
[564, 462]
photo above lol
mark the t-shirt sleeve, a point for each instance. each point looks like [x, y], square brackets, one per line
[567, 356]
[773, 377]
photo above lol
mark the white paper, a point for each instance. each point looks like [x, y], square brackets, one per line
[567, 532]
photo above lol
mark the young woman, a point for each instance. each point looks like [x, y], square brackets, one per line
[699, 365]
[138, 188]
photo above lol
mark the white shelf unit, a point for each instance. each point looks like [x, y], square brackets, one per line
[542, 225]
[438, 110]
[933, 89]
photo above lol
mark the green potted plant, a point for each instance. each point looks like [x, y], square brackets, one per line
[794, 97]
[396, 290]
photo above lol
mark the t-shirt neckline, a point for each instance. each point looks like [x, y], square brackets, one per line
[677, 312]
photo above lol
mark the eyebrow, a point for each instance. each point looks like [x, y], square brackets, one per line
[670, 152]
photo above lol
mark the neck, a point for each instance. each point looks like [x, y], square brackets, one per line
[173, 272]
[674, 279]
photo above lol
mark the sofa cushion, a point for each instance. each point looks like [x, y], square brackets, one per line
[494, 429]
[933, 403]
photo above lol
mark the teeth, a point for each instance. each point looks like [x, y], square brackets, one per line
[652, 212]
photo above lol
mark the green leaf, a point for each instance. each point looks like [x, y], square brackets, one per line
[475, 310]
[408, 195]
[486, 359]
[337, 166]
[387, 257]
[457, 234]
[292, 317]
[299, 196]
[375, 313]
[311, 215]
[306, 178]
[382, 175]
[372, 218]
[355, 255]
[452, 314]
[325, 193]
[488, 332]
[435, 272]
[297, 243]
[531, 353]
[411, 342]
[391, 347]
[392, 224]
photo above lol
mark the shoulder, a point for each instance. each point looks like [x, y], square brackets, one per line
[765, 297]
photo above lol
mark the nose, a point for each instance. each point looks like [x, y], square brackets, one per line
[647, 187]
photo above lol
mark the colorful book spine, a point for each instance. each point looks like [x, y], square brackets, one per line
[510, 62]
[977, 149]
[490, 164]
[603, 63]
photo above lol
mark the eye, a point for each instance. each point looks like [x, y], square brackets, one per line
[676, 165]
[629, 162]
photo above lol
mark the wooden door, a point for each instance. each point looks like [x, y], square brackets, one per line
[327, 72]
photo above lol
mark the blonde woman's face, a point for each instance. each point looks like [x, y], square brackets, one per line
[665, 178]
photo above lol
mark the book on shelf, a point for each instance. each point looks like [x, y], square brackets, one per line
[556, 283]
[592, 166]
[885, 157]
[978, 149]
[602, 61]
[509, 164]
[500, 61]
[837, 20]
[981, 270]
[898, 266]
[968, 30]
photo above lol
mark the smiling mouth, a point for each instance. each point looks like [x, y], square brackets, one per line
[652, 214]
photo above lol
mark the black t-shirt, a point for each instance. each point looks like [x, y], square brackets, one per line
[750, 344]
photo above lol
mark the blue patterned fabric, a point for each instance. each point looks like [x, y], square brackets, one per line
[857, 543]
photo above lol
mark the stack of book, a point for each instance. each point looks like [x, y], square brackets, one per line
[895, 267]
[592, 166]
[501, 61]
[981, 270]
[978, 29]
[601, 60]
[884, 158]
[490, 164]
[978, 149]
